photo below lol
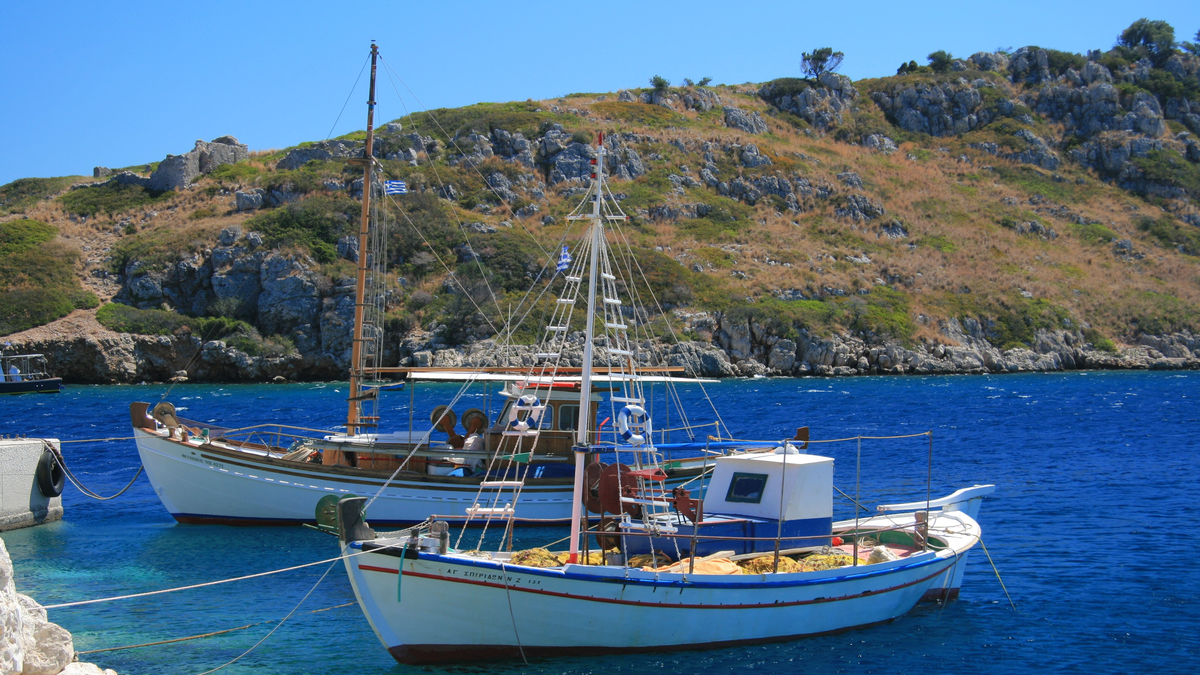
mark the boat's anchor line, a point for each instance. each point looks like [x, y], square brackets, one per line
[993, 564]
[58, 458]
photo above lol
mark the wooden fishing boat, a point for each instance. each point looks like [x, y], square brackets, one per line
[461, 468]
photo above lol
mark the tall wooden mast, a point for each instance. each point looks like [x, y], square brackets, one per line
[585, 385]
[354, 418]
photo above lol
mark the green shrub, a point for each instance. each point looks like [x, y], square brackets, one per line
[1008, 321]
[109, 199]
[1099, 341]
[37, 277]
[1014, 322]
[660, 84]
[1168, 167]
[1059, 62]
[316, 223]
[785, 86]
[18, 236]
[1035, 181]
[1170, 233]
[201, 214]
[24, 308]
[240, 172]
[1093, 233]
[126, 319]
[247, 339]
[640, 113]
[940, 61]
[884, 312]
[517, 116]
[1155, 39]
[939, 242]
[25, 192]
[1160, 314]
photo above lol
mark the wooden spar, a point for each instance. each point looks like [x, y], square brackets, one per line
[585, 384]
[353, 420]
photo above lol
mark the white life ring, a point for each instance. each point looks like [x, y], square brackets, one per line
[532, 420]
[640, 419]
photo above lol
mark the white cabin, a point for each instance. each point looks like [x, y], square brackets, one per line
[750, 484]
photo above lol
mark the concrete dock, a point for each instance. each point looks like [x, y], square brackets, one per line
[22, 503]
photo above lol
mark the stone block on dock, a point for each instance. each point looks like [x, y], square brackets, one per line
[22, 502]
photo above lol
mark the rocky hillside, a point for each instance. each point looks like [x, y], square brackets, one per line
[1008, 211]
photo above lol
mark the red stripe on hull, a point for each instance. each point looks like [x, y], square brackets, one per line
[424, 654]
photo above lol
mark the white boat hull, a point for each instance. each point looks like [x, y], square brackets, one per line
[451, 608]
[199, 485]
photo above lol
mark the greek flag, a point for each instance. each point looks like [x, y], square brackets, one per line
[564, 260]
[395, 187]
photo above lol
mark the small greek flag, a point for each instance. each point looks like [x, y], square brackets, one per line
[564, 260]
[395, 187]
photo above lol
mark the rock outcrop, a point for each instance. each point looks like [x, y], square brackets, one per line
[179, 171]
[965, 349]
[946, 109]
[29, 643]
[822, 105]
[321, 151]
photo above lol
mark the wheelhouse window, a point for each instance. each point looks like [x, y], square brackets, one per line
[547, 421]
[746, 488]
[568, 417]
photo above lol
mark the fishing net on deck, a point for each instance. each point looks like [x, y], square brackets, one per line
[592, 557]
[646, 560]
[535, 557]
[830, 561]
[766, 565]
[723, 566]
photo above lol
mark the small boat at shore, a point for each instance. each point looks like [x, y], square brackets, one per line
[26, 374]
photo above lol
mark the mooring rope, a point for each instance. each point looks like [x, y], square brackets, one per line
[279, 625]
[212, 583]
[203, 635]
[58, 458]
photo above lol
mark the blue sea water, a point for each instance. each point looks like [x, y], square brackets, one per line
[1092, 528]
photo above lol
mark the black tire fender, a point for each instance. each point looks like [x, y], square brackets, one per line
[50, 476]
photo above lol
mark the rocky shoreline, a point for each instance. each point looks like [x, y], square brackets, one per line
[30, 644]
[82, 351]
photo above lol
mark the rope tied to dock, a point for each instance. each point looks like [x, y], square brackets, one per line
[75, 481]
[130, 596]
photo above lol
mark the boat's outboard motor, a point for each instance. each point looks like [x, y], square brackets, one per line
[350, 523]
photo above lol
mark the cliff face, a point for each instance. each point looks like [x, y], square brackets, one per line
[1024, 210]
[83, 351]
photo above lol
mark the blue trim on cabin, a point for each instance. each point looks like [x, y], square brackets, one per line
[733, 525]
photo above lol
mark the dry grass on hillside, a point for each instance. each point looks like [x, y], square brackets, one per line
[958, 257]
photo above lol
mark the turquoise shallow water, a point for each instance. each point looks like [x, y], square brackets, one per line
[1092, 528]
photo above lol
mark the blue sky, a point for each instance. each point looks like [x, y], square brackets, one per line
[118, 84]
